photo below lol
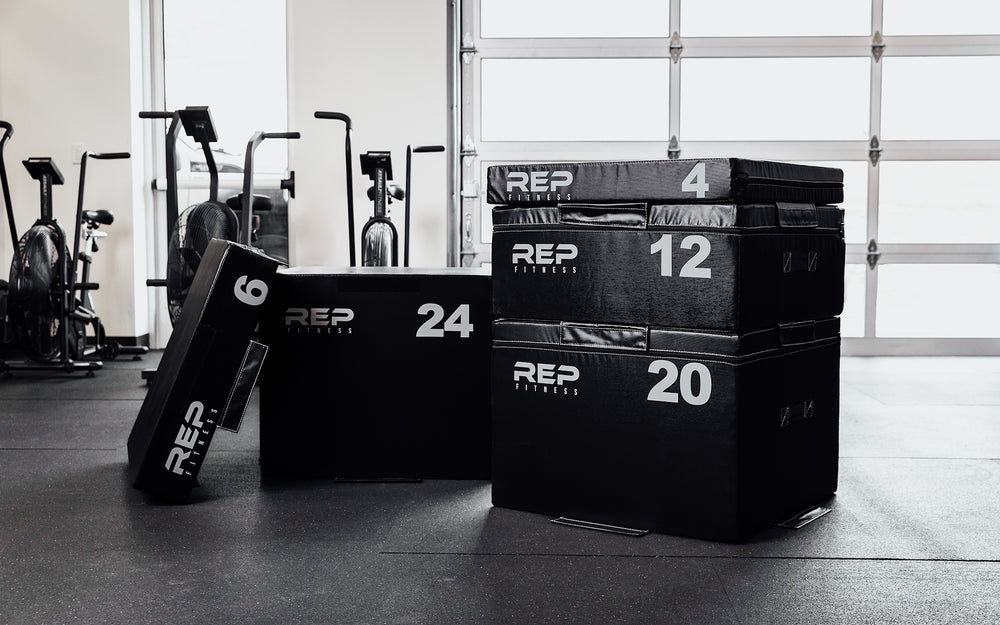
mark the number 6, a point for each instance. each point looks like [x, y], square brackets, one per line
[252, 293]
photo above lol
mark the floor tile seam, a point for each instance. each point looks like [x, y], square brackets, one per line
[989, 458]
[65, 398]
[690, 557]
[2, 449]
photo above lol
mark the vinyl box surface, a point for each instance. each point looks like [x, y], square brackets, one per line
[706, 435]
[701, 181]
[708, 266]
[377, 373]
[206, 373]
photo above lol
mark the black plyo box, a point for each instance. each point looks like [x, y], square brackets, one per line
[706, 435]
[377, 373]
[206, 373]
[708, 266]
[696, 180]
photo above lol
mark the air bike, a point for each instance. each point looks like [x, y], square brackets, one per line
[48, 309]
[379, 237]
[192, 229]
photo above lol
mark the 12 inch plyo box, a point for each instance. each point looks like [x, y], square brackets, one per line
[711, 266]
[377, 373]
[709, 435]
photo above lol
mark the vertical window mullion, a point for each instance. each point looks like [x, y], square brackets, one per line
[874, 129]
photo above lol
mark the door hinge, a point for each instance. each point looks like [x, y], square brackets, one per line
[878, 46]
[470, 189]
[874, 150]
[468, 152]
[873, 254]
[674, 148]
[468, 49]
[676, 47]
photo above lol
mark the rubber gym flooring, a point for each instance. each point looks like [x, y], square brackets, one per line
[914, 535]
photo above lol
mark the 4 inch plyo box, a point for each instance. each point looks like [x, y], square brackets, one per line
[377, 373]
[708, 266]
[708, 435]
[698, 180]
[206, 374]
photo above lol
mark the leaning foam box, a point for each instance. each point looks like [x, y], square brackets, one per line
[726, 267]
[709, 435]
[206, 374]
[377, 373]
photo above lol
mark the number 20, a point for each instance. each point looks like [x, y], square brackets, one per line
[660, 393]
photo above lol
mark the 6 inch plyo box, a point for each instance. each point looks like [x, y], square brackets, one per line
[709, 435]
[206, 374]
[709, 266]
[377, 373]
[697, 180]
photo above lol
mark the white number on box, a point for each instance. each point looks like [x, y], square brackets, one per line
[692, 268]
[661, 393]
[696, 181]
[252, 293]
[457, 322]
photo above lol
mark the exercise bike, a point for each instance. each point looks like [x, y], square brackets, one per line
[47, 308]
[379, 237]
[192, 229]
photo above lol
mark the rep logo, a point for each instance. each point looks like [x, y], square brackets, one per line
[535, 257]
[318, 320]
[543, 377]
[539, 186]
[188, 438]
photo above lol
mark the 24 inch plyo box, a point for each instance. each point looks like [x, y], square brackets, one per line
[377, 373]
[709, 435]
[726, 267]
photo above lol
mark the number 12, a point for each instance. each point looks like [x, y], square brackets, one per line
[691, 269]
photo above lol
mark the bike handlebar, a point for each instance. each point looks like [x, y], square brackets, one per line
[107, 156]
[282, 135]
[155, 114]
[332, 115]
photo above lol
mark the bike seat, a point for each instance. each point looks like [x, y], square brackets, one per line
[99, 216]
[261, 203]
[396, 192]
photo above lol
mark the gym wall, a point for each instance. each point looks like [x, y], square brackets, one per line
[384, 63]
[71, 73]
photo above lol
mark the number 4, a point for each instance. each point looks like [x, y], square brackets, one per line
[696, 181]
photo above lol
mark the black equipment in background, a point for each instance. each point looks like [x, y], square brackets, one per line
[379, 237]
[47, 307]
[192, 229]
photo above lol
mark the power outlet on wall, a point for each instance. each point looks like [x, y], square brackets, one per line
[77, 153]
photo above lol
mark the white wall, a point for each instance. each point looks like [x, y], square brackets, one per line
[384, 63]
[68, 75]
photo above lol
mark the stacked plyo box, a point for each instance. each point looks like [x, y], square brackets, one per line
[666, 342]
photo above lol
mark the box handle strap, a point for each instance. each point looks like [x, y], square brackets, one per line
[633, 216]
[592, 335]
[797, 333]
[239, 394]
[797, 215]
